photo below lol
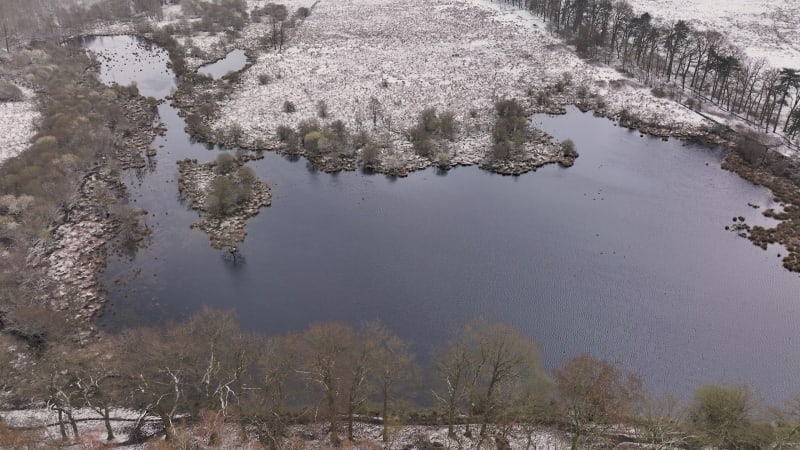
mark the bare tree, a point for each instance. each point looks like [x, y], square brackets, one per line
[325, 350]
[596, 394]
[393, 364]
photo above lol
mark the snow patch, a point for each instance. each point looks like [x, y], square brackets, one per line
[17, 125]
[766, 28]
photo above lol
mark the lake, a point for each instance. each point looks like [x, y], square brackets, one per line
[623, 255]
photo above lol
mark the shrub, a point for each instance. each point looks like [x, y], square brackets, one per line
[568, 149]
[582, 92]
[225, 163]
[338, 131]
[361, 139]
[542, 98]
[431, 126]
[501, 150]
[263, 79]
[222, 197]
[303, 12]
[600, 102]
[424, 146]
[289, 107]
[306, 126]
[428, 121]
[510, 128]
[10, 93]
[508, 108]
[234, 133]
[658, 92]
[447, 125]
[750, 149]
[316, 142]
[369, 154]
[292, 142]
[322, 109]
[284, 132]
[443, 159]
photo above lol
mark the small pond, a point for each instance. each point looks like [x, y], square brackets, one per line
[232, 62]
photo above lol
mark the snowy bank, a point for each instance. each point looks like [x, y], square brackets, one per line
[17, 125]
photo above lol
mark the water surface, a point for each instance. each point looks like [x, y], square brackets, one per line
[232, 62]
[623, 255]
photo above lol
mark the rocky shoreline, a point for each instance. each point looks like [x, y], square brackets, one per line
[74, 255]
[785, 192]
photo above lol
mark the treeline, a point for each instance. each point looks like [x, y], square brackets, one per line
[55, 21]
[702, 61]
[487, 379]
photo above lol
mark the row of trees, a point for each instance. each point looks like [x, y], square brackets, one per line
[702, 61]
[55, 21]
[487, 378]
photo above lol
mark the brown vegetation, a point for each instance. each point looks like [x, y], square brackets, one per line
[204, 377]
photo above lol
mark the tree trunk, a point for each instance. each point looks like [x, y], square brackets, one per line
[335, 441]
[73, 424]
[107, 420]
[61, 427]
[385, 412]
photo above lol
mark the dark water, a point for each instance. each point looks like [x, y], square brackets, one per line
[623, 255]
[232, 62]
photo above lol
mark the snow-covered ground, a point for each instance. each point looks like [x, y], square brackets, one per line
[459, 55]
[763, 28]
[17, 125]
[92, 433]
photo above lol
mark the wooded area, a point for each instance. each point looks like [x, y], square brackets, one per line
[701, 62]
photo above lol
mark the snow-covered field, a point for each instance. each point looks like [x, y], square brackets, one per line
[763, 28]
[17, 125]
[460, 55]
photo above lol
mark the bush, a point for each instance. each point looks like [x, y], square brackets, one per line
[424, 146]
[289, 107]
[322, 109]
[658, 92]
[750, 149]
[361, 139]
[225, 163]
[284, 132]
[369, 154]
[600, 102]
[447, 125]
[222, 197]
[501, 150]
[510, 128]
[428, 121]
[722, 415]
[263, 79]
[508, 108]
[337, 134]
[306, 126]
[316, 142]
[303, 12]
[227, 192]
[568, 149]
[431, 126]
[10, 93]
[542, 98]
[582, 92]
